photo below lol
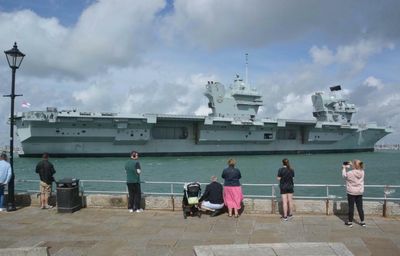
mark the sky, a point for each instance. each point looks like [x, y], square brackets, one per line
[131, 56]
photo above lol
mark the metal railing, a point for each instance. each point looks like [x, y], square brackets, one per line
[327, 194]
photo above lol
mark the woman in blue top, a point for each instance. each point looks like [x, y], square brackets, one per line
[233, 195]
[286, 185]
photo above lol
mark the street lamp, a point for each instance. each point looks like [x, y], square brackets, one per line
[14, 59]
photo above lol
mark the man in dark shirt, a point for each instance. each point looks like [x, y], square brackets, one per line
[45, 169]
[212, 199]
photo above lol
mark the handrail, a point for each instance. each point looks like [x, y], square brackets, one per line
[387, 189]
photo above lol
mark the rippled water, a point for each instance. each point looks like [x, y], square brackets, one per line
[382, 167]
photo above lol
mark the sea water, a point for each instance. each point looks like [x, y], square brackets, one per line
[381, 168]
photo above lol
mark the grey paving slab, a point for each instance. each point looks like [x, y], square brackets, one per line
[24, 251]
[118, 232]
[275, 249]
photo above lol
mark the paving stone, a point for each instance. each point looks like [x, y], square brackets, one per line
[379, 245]
[72, 251]
[320, 249]
[105, 248]
[93, 231]
[359, 251]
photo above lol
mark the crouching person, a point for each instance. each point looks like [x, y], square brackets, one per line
[212, 199]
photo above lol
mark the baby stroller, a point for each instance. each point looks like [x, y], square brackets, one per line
[191, 195]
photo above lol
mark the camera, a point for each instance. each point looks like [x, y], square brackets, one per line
[346, 163]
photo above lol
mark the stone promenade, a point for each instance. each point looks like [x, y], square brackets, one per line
[92, 231]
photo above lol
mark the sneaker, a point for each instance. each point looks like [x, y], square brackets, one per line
[141, 210]
[3, 209]
[290, 216]
[363, 224]
[47, 207]
[215, 213]
[130, 210]
[138, 210]
[349, 224]
[284, 218]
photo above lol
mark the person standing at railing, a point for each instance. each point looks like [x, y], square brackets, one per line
[233, 194]
[5, 176]
[286, 185]
[354, 188]
[46, 172]
[133, 170]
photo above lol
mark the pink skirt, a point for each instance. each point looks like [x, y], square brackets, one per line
[233, 197]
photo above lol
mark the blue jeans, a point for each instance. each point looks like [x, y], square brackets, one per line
[1, 196]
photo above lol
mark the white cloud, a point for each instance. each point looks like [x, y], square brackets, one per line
[108, 33]
[123, 56]
[203, 110]
[354, 56]
[373, 82]
[295, 106]
[379, 102]
[322, 56]
[256, 23]
[96, 97]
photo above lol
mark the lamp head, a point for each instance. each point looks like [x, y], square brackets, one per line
[14, 57]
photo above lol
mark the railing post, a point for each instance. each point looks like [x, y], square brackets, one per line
[82, 193]
[384, 210]
[172, 197]
[327, 201]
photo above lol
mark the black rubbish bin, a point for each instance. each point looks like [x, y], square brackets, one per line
[68, 195]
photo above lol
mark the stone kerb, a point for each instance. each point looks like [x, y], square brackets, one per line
[159, 202]
[309, 206]
[106, 201]
[393, 209]
[251, 205]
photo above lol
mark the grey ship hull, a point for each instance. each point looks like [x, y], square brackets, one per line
[79, 134]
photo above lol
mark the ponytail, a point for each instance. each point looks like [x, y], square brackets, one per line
[286, 163]
[358, 164]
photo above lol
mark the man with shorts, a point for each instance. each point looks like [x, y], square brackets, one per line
[213, 199]
[45, 169]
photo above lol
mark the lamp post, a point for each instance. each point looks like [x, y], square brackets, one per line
[14, 59]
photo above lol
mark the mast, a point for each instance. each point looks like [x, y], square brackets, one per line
[247, 72]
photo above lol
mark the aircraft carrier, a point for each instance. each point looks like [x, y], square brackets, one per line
[233, 128]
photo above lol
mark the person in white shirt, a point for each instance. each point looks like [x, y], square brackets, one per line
[5, 176]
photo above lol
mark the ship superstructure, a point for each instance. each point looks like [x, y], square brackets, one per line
[233, 127]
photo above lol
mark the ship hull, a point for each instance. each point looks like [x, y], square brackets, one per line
[75, 134]
[231, 153]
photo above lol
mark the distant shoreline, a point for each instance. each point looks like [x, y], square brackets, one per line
[387, 147]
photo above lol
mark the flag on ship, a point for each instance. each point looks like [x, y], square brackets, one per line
[26, 104]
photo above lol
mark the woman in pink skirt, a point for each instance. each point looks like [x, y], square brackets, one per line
[233, 195]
